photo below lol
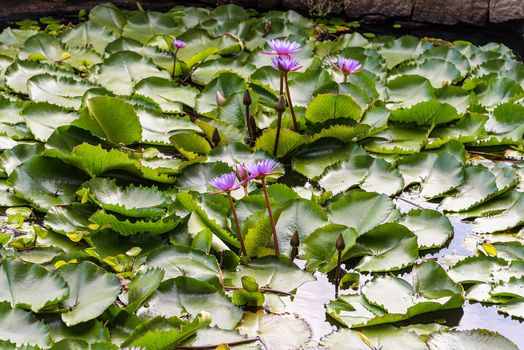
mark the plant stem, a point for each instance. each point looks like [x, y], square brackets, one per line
[337, 273]
[281, 91]
[271, 218]
[248, 124]
[234, 210]
[345, 78]
[281, 103]
[265, 290]
[174, 63]
[214, 346]
[291, 109]
[410, 202]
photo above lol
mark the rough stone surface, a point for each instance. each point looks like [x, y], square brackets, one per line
[505, 10]
[266, 5]
[451, 11]
[390, 8]
[313, 7]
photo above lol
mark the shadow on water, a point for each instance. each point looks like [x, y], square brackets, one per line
[310, 299]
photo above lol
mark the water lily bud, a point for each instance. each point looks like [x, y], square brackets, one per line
[220, 98]
[281, 104]
[341, 245]
[64, 56]
[295, 240]
[216, 137]
[247, 100]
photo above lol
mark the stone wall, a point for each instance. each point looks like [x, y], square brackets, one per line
[473, 12]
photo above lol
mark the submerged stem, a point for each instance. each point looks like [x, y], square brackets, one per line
[291, 109]
[271, 218]
[264, 290]
[214, 346]
[239, 232]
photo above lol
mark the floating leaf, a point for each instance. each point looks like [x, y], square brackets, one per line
[160, 333]
[398, 140]
[271, 272]
[320, 246]
[61, 91]
[370, 174]
[301, 217]
[88, 34]
[182, 261]
[316, 157]
[278, 332]
[469, 339]
[130, 201]
[30, 285]
[168, 95]
[91, 291]
[122, 81]
[12, 321]
[143, 285]
[437, 174]
[426, 113]
[387, 337]
[432, 228]
[384, 248]
[363, 210]
[289, 140]
[508, 218]
[45, 182]
[112, 119]
[43, 119]
[479, 186]
[326, 106]
[391, 299]
[128, 227]
[181, 295]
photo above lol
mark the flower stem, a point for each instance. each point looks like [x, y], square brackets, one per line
[214, 346]
[291, 109]
[277, 136]
[271, 218]
[281, 107]
[281, 91]
[234, 210]
[345, 78]
[174, 63]
[337, 273]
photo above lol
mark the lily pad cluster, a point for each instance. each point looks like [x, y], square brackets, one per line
[112, 129]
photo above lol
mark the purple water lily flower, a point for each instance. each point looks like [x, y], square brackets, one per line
[226, 182]
[179, 44]
[282, 47]
[286, 63]
[261, 168]
[241, 173]
[347, 66]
